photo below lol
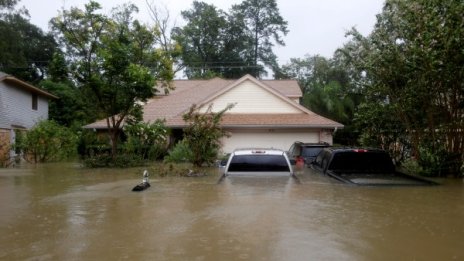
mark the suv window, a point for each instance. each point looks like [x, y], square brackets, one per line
[322, 159]
[308, 151]
[311, 151]
[318, 160]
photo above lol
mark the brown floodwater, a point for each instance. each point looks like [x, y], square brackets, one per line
[66, 212]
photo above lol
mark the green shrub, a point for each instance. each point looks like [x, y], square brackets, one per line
[145, 141]
[438, 161]
[119, 161]
[169, 170]
[180, 153]
[47, 141]
[90, 143]
[203, 134]
[149, 140]
[412, 167]
[97, 161]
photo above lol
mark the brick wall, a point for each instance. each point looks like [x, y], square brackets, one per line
[4, 146]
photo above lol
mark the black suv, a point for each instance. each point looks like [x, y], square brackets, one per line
[305, 151]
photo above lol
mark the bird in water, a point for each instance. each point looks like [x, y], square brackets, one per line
[145, 184]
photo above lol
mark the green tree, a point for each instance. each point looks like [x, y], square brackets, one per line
[237, 58]
[382, 129]
[25, 50]
[7, 4]
[413, 59]
[264, 26]
[70, 109]
[114, 60]
[203, 134]
[230, 45]
[326, 87]
[331, 101]
[164, 26]
[310, 71]
[201, 39]
[47, 141]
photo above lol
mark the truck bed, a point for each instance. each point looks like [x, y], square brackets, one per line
[380, 179]
[360, 166]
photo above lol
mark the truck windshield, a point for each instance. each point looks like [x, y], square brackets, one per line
[255, 163]
[362, 162]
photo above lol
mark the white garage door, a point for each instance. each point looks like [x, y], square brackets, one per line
[267, 139]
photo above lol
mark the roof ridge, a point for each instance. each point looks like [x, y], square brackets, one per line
[274, 80]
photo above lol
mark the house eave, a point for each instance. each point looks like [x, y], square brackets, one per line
[284, 126]
[261, 126]
[28, 87]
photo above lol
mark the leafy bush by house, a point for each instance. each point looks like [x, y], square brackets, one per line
[203, 134]
[180, 153]
[47, 141]
[118, 161]
[148, 140]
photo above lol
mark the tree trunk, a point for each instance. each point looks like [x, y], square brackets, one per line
[113, 135]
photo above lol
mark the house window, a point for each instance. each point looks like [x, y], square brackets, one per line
[34, 101]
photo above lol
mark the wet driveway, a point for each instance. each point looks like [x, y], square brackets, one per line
[65, 212]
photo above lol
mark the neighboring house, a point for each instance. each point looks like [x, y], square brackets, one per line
[266, 114]
[21, 106]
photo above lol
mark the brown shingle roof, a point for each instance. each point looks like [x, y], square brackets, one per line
[24, 85]
[302, 120]
[181, 99]
[171, 107]
[288, 88]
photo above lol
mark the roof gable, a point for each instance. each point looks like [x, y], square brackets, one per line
[251, 96]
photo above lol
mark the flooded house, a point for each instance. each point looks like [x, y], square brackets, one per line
[266, 113]
[22, 105]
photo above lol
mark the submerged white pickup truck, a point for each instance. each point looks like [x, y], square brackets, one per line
[258, 162]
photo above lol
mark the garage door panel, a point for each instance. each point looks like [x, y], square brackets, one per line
[278, 140]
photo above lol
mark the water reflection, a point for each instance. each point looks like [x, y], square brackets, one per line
[64, 212]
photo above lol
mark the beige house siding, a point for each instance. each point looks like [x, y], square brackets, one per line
[267, 138]
[326, 135]
[251, 98]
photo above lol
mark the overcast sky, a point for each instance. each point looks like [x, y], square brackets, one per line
[315, 26]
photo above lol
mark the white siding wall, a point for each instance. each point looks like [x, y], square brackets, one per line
[3, 108]
[251, 98]
[16, 107]
[279, 139]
